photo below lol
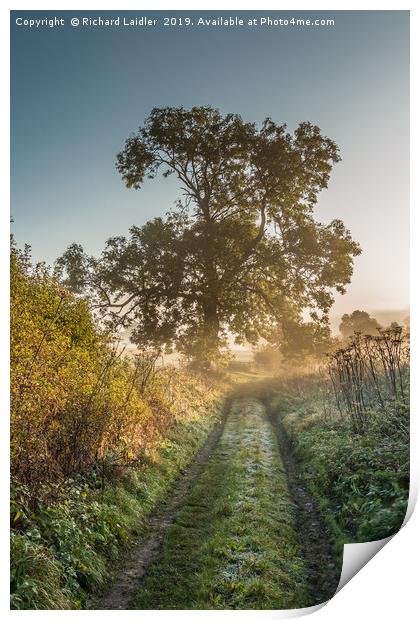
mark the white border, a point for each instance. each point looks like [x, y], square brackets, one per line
[386, 586]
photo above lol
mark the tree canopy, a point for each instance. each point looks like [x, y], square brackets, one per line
[241, 253]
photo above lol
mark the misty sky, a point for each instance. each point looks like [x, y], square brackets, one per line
[77, 93]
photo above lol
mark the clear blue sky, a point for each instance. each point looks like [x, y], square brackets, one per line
[77, 93]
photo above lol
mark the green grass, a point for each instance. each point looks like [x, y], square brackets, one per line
[233, 545]
[360, 481]
[62, 551]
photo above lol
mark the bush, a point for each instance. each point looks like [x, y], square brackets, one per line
[77, 402]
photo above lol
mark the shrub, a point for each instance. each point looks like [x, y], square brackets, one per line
[77, 401]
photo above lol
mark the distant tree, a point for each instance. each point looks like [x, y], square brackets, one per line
[241, 253]
[358, 321]
[268, 357]
[305, 339]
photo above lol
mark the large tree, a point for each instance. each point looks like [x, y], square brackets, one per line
[241, 252]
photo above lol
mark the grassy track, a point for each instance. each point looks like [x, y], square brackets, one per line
[234, 544]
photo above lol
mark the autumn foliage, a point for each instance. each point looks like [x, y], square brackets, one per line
[78, 402]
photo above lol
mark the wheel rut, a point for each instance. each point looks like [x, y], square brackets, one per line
[323, 574]
[124, 587]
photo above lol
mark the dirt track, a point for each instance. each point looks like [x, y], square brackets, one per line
[246, 427]
[126, 583]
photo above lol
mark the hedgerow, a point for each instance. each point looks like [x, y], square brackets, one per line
[97, 438]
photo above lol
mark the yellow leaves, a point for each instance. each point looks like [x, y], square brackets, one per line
[72, 402]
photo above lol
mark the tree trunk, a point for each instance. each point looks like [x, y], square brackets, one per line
[211, 327]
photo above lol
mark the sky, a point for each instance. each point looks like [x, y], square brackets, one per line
[78, 93]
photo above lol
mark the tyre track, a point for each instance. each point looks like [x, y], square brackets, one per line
[323, 574]
[126, 584]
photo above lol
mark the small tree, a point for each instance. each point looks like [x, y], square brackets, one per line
[358, 322]
[241, 253]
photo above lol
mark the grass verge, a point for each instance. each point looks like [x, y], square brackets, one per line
[361, 482]
[63, 550]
